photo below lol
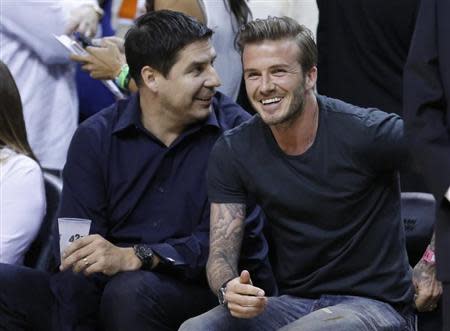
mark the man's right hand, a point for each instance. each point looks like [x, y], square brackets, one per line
[93, 253]
[102, 62]
[244, 300]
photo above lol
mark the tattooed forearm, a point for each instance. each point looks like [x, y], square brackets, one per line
[226, 233]
[424, 273]
[432, 243]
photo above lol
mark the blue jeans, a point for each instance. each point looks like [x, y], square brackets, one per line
[329, 312]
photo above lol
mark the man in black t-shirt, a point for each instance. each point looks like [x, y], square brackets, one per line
[326, 174]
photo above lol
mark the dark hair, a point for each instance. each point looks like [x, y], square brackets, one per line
[158, 37]
[240, 10]
[12, 126]
[277, 28]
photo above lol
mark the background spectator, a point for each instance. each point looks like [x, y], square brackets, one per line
[22, 195]
[42, 70]
[427, 117]
[223, 16]
[303, 11]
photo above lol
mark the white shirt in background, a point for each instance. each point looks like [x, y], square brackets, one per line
[22, 204]
[43, 73]
[303, 11]
[228, 62]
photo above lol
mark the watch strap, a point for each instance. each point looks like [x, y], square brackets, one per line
[222, 291]
[145, 254]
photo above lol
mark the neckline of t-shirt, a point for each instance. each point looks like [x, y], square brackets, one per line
[276, 148]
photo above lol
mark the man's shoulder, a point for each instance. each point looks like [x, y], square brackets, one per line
[240, 138]
[97, 132]
[228, 113]
[103, 121]
[244, 129]
[343, 114]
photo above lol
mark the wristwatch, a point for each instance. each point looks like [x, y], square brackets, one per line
[221, 292]
[145, 254]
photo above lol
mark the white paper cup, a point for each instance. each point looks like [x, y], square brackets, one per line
[71, 229]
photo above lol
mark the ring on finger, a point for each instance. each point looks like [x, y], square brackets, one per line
[85, 260]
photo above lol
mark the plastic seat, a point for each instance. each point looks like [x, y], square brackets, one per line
[418, 215]
[39, 256]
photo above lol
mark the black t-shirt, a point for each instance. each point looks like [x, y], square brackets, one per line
[334, 211]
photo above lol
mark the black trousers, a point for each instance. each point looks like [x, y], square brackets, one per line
[25, 299]
[135, 300]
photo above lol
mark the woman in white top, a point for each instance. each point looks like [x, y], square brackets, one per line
[22, 193]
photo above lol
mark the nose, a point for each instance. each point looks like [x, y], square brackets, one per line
[267, 86]
[213, 80]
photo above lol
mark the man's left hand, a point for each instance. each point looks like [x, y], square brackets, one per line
[428, 288]
[94, 253]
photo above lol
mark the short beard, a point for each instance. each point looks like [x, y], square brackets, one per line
[295, 110]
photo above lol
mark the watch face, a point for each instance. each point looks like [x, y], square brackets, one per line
[145, 254]
[221, 296]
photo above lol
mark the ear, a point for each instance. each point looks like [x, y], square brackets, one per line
[148, 76]
[311, 78]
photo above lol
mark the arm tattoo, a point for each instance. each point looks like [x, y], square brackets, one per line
[423, 272]
[432, 243]
[226, 233]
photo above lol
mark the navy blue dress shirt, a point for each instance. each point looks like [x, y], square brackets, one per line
[137, 190]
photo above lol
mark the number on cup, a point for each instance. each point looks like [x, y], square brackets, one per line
[75, 237]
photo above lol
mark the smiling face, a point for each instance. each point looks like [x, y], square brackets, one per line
[274, 80]
[186, 93]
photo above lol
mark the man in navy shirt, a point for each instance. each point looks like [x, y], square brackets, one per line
[138, 171]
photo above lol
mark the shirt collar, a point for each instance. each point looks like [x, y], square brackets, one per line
[130, 116]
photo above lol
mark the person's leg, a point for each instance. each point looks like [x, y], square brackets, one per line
[340, 313]
[25, 299]
[144, 300]
[279, 312]
[77, 300]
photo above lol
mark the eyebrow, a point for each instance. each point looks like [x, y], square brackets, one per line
[271, 67]
[197, 63]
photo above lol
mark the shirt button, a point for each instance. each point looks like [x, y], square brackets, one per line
[161, 189]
